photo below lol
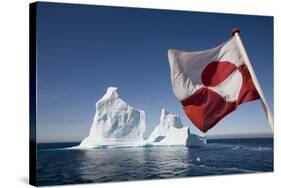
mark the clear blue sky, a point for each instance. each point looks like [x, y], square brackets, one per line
[82, 50]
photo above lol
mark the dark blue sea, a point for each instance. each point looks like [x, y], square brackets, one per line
[56, 166]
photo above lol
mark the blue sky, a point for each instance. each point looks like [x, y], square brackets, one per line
[82, 50]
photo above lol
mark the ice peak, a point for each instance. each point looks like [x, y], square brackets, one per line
[163, 112]
[163, 115]
[168, 119]
[110, 93]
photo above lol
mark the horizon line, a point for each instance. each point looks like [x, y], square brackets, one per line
[212, 137]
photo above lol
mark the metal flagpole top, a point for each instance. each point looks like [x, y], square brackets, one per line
[235, 30]
[235, 33]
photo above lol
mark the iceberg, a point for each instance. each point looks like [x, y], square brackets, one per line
[171, 132]
[115, 123]
[167, 121]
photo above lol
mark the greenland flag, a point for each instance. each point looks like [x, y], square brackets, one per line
[211, 83]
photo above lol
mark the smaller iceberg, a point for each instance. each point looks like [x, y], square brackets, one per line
[171, 132]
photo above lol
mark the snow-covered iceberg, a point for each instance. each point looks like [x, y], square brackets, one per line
[167, 121]
[171, 132]
[115, 123]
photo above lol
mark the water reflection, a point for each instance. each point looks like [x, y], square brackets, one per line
[133, 163]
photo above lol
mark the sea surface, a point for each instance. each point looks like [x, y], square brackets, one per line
[57, 165]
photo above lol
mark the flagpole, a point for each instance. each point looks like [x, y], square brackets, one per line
[235, 34]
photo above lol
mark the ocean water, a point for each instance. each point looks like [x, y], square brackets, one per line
[56, 165]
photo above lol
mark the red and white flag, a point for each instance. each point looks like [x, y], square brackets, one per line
[211, 83]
